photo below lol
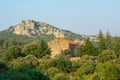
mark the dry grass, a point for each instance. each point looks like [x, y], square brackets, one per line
[75, 58]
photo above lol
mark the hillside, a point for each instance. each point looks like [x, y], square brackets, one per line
[31, 28]
[24, 56]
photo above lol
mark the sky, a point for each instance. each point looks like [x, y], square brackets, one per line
[79, 16]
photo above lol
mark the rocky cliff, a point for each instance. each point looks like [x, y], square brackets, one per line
[33, 28]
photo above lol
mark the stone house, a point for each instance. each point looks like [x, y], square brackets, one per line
[58, 45]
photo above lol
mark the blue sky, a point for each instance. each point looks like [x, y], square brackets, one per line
[80, 16]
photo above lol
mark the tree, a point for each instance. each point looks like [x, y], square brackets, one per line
[108, 70]
[13, 53]
[62, 63]
[101, 43]
[86, 68]
[24, 73]
[106, 55]
[30, 48]
[61, 76]
[109, 43]
[52, 72]
[79, 50]
[42, 49]
[105, 41]
[3, 67]
[86, 49]
[89, 49]
[117, 46]
[29, 60]
[67, 52]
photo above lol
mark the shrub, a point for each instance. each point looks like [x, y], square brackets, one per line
[61, 76]
[29, 60]
[3, 67]
[13, 53]
[106, 55]
[62, 63]
[24, 73]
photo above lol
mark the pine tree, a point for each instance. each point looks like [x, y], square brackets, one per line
[43, 49]
[109, 41]
[79, 50]
[89, 48]
[101, 43]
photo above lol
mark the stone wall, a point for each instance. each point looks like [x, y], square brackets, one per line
[58, 45]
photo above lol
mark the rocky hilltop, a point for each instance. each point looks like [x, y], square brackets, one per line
[33, 28]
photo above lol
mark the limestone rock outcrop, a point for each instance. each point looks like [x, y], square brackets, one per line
[32, 28]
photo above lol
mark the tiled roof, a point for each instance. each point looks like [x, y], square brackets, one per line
[69, 41]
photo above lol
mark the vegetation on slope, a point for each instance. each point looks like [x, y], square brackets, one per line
[30, 60]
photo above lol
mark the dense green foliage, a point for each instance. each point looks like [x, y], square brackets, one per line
[106, 55]
[67, 52]
[22, 59]
[89, 48]
[42, 49]
[30, 48]
[12, 53]
[25, 73]
[79, 50]
[86, 49]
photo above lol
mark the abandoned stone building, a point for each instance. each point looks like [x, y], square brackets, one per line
[58, 45]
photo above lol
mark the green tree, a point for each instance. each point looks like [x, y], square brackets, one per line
[106, 55]
[62, 63]
[61, 76]
[13, 53]
[24, 73]
[79, 50]
[101, 43]
[52, 72]
[30, 48]
[3, 67]
[89, 49]
[43, 49]
[87, 68]
[117, 46]
[29, 60]
[108, 70]
[67, 52]
[109, 41]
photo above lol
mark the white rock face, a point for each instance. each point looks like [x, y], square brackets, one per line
[31, 28]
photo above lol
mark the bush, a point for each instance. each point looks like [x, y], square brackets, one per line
[62, 63]
[106, 55]
[29, 60]
[75, 65]
[108, 70]
[13, 53]
[79, 50]
[52, 72]
[95, 77]
[24, 73]
[61, 76]
[3, 67]
[87, 68]
[43, 65]
[67, 52]
[30, 48]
